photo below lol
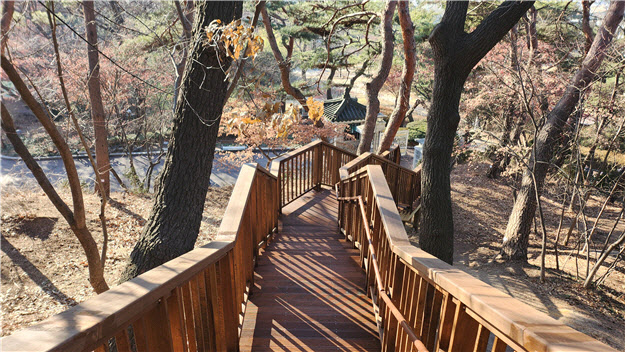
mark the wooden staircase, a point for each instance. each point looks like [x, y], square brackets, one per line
[308, 293]
[289, 271]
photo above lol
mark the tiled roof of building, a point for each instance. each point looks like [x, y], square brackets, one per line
[344, 110]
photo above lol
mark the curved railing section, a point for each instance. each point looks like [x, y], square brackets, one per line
[445, 308]
[308, 167]
[404, 183]
[192, 303]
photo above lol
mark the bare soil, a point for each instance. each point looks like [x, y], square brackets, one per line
[44, 270]
[481, 208]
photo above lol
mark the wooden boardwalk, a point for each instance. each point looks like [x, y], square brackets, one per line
[308, 293]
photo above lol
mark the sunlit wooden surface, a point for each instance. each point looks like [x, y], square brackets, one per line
[308, 293]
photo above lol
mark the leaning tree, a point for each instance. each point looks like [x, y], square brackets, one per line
[174, 222]
[516, 237]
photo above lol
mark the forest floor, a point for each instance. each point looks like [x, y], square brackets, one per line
[481, 208]
[44, 272]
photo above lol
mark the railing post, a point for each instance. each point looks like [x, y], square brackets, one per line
[317, 167]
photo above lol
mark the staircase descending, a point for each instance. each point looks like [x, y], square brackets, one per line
[308, 293]
[310, 256]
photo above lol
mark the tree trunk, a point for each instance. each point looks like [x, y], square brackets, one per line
[409, 47]
[503, 158]
[8, 8]
[186, 21]
[585, 25]
[330, 82]
[517, 233]
[374, 86]
[95, 97]
[75, 218]
[455, 54]
[174, 222]
[285, 65]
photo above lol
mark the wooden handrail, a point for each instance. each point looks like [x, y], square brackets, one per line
[403, 182]
[418, 344]
[193, 302]
[308, 167]
[446, 308]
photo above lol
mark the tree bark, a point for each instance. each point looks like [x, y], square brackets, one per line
[8, 7]
[95, 98]
[186, 21]
[285, 65]
[532, 34]
[174, 222]
[330, 82]
[75, 219]
[374, 86]
[516, 237]
[455, 54]
[409, 48]
[585, 25]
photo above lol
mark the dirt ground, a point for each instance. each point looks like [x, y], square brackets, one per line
[44, 272]
[481, 208]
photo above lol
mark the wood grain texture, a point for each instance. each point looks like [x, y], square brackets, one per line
[308, 293]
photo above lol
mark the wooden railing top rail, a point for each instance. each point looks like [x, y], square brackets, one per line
[276, 162]
[87, 324]
[532, 329]
[350, 167]
[418, 344]
[234, 214]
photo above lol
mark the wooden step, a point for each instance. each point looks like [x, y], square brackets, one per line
[308, 293]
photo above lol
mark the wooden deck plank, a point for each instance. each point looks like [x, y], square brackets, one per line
[308, 292]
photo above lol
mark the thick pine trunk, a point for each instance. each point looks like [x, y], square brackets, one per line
[455, 54]
[518, 228]
[436, 215]
[174, 222]
[8, 7]
[95, 98]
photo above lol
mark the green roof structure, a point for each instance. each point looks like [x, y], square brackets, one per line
[345, 110]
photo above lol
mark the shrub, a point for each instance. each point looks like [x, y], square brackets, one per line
[417, 129]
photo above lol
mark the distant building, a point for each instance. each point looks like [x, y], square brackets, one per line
[345, 110]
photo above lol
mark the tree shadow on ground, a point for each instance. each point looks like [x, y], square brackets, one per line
[37, 228]
[34, 274]
[121, 207]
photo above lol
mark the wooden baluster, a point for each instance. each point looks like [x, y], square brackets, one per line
[189, 317]
[139, 335]
[446, 323]
[405, 303]
[102, 348]
[435, 320]
[292, 179]
[396, 289]
[198, 316]
[231, 314]
[208, 328]
[177, 327]
[465, 331]
[157, 328]
[483, 336]
[122, 341]
[426, 304]
[498, 345]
